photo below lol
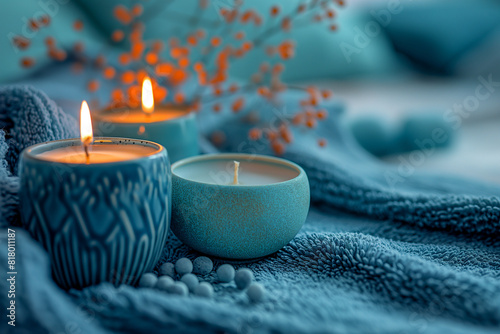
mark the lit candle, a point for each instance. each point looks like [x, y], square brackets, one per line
[103, 150]
[174, 127]
[100, 206]
[238, 206]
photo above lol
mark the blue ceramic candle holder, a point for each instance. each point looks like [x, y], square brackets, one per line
[255, 218]
[99, 222]
[173, 127]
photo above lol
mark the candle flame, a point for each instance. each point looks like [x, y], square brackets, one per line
[148, 102]
[86, 134]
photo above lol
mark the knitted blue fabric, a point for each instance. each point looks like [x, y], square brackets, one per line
[384, 250]
[27, 117]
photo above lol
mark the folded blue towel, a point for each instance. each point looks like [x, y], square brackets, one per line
[384, 250]
[27, 116]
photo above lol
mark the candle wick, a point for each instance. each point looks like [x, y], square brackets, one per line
[236, 170]
[86, 143]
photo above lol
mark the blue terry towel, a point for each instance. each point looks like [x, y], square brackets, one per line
[384, 249]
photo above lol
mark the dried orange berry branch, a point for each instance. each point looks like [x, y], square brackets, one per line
[202, 50]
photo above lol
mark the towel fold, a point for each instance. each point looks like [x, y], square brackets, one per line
[27, 117]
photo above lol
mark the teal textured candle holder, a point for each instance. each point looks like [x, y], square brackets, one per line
[179, 135]
[245, 221]
[99, 222]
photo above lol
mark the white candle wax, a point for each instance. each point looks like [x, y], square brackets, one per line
[101, 153]
[221, 172]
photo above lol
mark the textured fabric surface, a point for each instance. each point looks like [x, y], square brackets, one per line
[384, 250]
[27, 117]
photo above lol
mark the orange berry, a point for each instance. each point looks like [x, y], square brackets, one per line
[238, 105]
[233, 88]
[178, 76]
[238, 53]
[322, 142]
[151, 58]
[198, 66]
[122, 14]
[100, 61]
[78, 25]
[285, 134]
[217, 91]
[45, 20]
[157, 46]
[246, 16]
[275, 10]
[278, 68]
[164, 69]
[330, 14]
[183, 62]
[286, 24]
[216, 41]
[192, 40]
[50, 41]
[263, 91]
[216, 107]
[311, 123]
[109, 72]
[160, 93]
[59, 55]
[239, 35]
[34, 25]
[278, 147]
[93, 85]
[322, 114]
[301, 8]
[247, 46]
[21, 42]
[117, 95]
[333, 27]
[298, 119]
[218, 138]
[27, 62]
[137, 50]
[271, 135]
[179, 98]
[124, 59]
[137, 10]
[141, 74]
[255, 134]
[117, 35]
[326, 94]
[128, 77]
[134, 92]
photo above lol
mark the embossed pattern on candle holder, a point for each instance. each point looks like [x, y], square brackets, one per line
[98, 222]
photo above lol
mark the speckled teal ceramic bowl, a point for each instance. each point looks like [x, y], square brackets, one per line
[250, 220]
